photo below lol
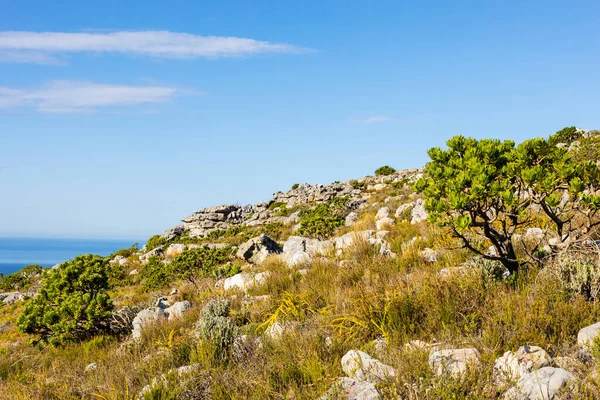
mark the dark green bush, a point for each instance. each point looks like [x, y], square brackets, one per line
[72, 304]
[155, 241]
[322, 221]
[127, 252]
[295, 186]
[20, 280]
[385, 170]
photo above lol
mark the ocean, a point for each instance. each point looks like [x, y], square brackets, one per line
[15, 253]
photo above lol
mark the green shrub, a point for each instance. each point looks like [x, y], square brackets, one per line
[217, 330]
[295, 186]
[72, 304]
[357, 185]
[322, 220]
[566, 135]
[589, 149]
[385, 170]
[473, 176]
[155, 241]
[20, 280]
[225, 233]
[277, 204]
[188, 266]
[127, 252]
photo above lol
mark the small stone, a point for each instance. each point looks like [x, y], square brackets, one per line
[429, 255]
[362, 367]
[91, 367]
[453, 361]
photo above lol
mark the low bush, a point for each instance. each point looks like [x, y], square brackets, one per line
[385, 170]
[579, 273]
[322, 220]
[216, 330]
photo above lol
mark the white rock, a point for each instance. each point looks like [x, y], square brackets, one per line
[175, 250]
[11, 297]
[134, 272]
[418, 212]
[384, 212]
[429, 255]
[244, 280]
[362, 367]
[275, 331]
[384, 222]
[347, 240]
[178, 309]
[453, 361]
[351, 389]
[146, 317]
[514, 366]
[543, 384]
[403, 208]
[586, 336]
[351, 219]
[91, 367]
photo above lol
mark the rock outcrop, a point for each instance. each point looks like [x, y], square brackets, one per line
[543, 384]
[257, 249]
[362, 367]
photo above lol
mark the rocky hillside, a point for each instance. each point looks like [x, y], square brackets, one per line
[343, 291]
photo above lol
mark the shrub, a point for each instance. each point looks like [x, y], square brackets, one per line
[579, 273]
[475, 188]
[189, 265]
[321, 221]
[277, 204]
[295, 186]
[589, 149]
[72, 304]
[357, 185]
[385, 170]
[20, 280]
[127, 252]
[155, 241]
[566, 135]
[216, 329]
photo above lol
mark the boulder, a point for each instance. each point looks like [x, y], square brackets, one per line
[257, 249]
[418, 213]
[299, 250]
[514, 366]
[178, 309]
[351, 389]
[175, 250]
[11, 297]
[384, 222]
[384, 212]
[146, 317]
[154, 252]
[244, 281]
[351, 218]
[362, 367]
[586, 336]
[543, 384]
[173, 233]
[91, 367]
[347, 240]
[402, 209]
[453, 361]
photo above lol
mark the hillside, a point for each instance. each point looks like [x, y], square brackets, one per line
[353, 290]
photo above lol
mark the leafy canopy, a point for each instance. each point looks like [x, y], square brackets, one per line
[72, 304]
[486, 189]
[385, 170]
[322, 220]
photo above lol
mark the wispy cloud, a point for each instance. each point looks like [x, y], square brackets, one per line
[41, 47]
[376, 119]
[83, 96]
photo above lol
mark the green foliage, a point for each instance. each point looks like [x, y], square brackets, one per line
[127, 252]
[566, 135]
[295, 186]
[321, 221]
[20, 280]
[217, 330]
[277, 204]
[589, 149]
[155, 241]
[229, 232]
[477, 187]
[357, 185]
[385, 170]
[188, 266]
[72, 304]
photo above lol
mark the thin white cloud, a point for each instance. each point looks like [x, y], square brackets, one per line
[83, 96]
[28, 57]
[42, 46]
[376, 119]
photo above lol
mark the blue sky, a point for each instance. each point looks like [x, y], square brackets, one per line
[119, 118]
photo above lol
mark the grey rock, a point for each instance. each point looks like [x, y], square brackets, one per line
[173, 233]
[11, 297]
[429, 255]
[587, 335]
[244, 281]
[418, 212]
[257, 249]
[178, 309]
[514, 366]
[352, 389]
[91, 367]
[351, 218]
[362, 367]
[147, 317]
[453, 361]
[543, 384]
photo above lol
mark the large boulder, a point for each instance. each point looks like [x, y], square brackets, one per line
[543, 384]
[453, 361]
[351, 389]
[514, 366]
[362, 367]
[178, 309]
[174, 250]
[418, 212]
[173, 233]
[587, 335]
[244, 281]
[299, 250]
[257, 249]
[147, 317]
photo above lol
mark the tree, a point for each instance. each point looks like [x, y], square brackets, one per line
[491, 189]
[72, 304]
[385, 170]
